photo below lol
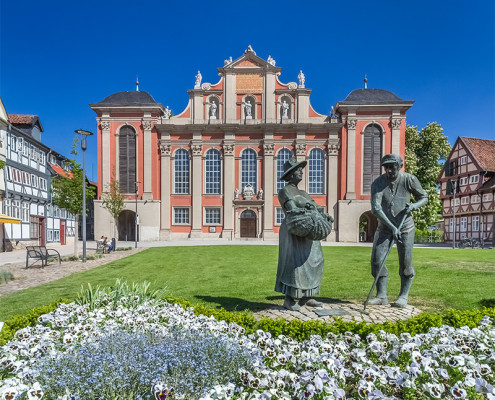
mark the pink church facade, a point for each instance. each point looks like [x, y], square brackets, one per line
[212, 171]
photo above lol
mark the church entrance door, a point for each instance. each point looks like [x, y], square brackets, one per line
[248, 224]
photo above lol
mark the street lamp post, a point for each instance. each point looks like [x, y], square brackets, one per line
[84, 146]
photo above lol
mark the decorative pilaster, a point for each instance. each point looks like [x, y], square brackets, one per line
[228, 188]
[105, 152]
[165, 179]
[268, 149]
[396, 124]
[197, 177]
[351, 159]
[147, 169]
[333, 147]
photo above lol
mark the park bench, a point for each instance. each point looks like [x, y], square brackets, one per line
[41, 253]
[101, 247]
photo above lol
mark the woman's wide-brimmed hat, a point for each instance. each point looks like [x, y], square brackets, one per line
[290, 166]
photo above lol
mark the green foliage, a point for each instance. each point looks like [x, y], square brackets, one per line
[113, 199]
[427, 236]
[119, 293]
[12, 325]
[67, 191]
[6, 276]
[424, 149]
[70, 258]
[2, 164]
[123, 248]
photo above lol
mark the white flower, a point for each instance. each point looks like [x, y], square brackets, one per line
[458, 392]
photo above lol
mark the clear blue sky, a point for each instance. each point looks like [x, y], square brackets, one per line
[59, 56]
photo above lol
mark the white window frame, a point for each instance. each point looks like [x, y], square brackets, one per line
[278, 221]
[463, 226]
[474, 179]
[206, 171]
[475, 198]
[465, 200]
[16, 209]
[451, 225]
[7, 207]
[25, 212]
[279, 168]
[463, 181]
[316, 150]
[181, 223]
[189, 173]
[463, 160]
[475, 223]
[487, 197]
[220, 214]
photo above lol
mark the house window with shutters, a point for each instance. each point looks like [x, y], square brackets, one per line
[372, 154]
[127, 159]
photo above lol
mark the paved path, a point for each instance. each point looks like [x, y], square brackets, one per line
[15, 263]
[346, 310]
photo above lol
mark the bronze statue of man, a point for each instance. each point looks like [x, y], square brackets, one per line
[390, 203]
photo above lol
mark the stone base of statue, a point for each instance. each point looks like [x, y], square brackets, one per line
[249, 117]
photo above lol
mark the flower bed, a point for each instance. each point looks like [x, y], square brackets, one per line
[155, 350]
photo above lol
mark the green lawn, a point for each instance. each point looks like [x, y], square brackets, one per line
[240, 277]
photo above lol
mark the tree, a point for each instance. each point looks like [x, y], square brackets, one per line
[67, 190]
[424, 149]
[113, 201]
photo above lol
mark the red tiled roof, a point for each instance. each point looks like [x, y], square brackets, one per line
[21, 118]
[483, 150]
[59, 170]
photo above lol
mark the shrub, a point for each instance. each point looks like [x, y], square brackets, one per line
[424, 236]
[6, 276]
[123, 248]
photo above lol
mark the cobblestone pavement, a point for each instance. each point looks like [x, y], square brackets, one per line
[35, 275]
[346, 310]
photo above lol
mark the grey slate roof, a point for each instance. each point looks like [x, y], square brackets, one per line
[130, 98]
[373, 96]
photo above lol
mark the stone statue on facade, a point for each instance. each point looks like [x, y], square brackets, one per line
[197, 85]
[271, 60]
[237, 192]
[301, 78]
[390, 203]
[260, 194]
[285, 109]
[213, 110]
[248, 110]
[167, 113]
[333, 114]
[227, 61]
[300, 258]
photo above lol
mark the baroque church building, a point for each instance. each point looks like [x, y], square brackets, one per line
[213, 171]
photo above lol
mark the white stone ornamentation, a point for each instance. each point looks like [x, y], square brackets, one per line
[248, 192]
[292, 85]
[300, 149]
[213, 110]
[167, 113]
[269, 149]
[227, 61]
[147, 125]
[396, 123]
[197, 149]
[165, 149]
[285, 109]
[206, 86]
[248, 110]
[228, 149]
[351, 123]
[105, 125]
[271, 60]
[333, 148]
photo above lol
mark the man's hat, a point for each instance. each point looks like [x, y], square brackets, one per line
[391, 159]
[291, 165]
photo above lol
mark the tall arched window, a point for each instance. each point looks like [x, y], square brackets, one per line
[282, 156]
[127, 159]
[316, 171]
[213, 172]
[372, 154]
[181, 172]
[248, 169]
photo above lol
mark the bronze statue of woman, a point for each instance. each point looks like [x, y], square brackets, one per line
[300, 259]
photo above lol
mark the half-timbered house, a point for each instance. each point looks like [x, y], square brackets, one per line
[467, 190]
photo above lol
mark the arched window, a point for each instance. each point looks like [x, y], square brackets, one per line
[248, 169]
[127, 159]
[316, 171]
[181, 172]
[213, 172]
[372, 155]
[282, 156]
